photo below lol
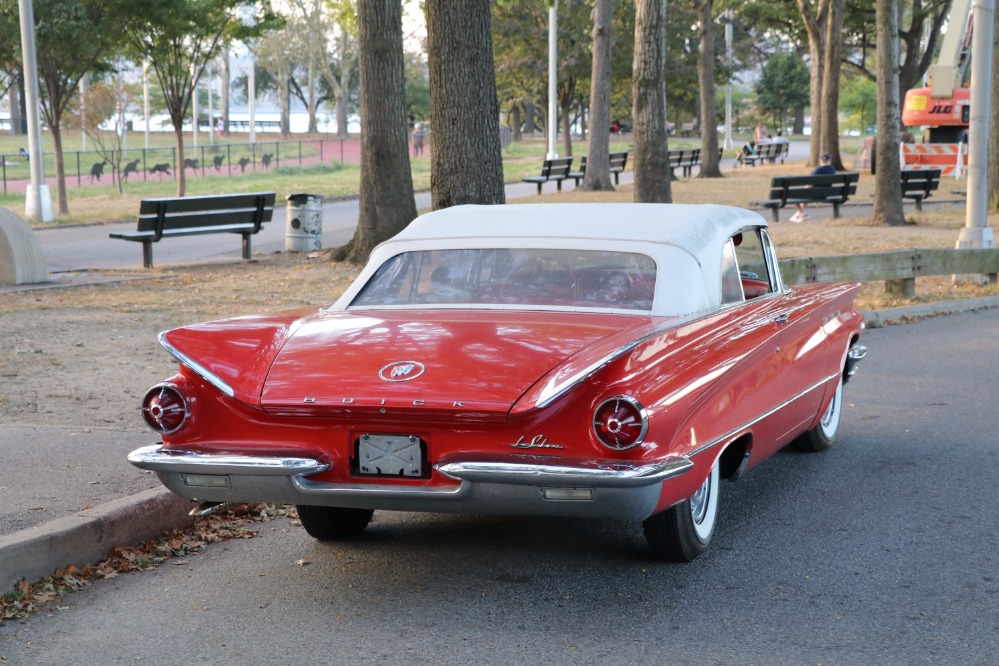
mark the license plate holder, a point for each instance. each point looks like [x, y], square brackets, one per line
[390, 455]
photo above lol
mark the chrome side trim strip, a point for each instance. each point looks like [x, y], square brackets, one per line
[158, 459]
[616, 476]
[553, 392]
[201, 371]
[735, 431]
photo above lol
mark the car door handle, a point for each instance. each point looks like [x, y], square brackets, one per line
[781, 319]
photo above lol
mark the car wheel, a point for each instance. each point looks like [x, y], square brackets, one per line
[822, 436]
[328, 523]
[682, 532]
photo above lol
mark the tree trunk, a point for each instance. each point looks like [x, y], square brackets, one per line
[17, 111]
[341, 116]
[313, 104]
[60, 165]
[799, 121]
[466, 162]
[179, 169]
[709, 109]
[830, 82]
[530, 124]
[515, 122]
[224, 103]
[284, 95]
[815, 26]
[887, 182]
[651, 152]
[386, 197]
[598, 154]
[994, 119]
[566, 121]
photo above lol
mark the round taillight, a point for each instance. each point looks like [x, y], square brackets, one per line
[164, 409]
[620, 422]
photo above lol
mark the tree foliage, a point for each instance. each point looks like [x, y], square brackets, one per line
[179, 37]
[782, 87]
[72, 38]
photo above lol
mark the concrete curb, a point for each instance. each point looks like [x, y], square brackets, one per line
[89, 536]
[895, 315]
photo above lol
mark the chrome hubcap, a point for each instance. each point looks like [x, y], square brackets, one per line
[699, 502]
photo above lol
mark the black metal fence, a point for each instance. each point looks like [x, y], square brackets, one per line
[88, 167]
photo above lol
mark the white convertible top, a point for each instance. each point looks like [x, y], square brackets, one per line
[693, 228]
[685, 240]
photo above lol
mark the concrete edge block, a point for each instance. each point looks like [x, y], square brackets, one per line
[89, 536]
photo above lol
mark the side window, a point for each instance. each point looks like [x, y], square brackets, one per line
[731, 283]
[754, 270]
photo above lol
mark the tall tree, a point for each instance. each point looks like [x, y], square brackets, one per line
[466, 161]
[108, 103]
[341, 57]
[64, 57]
[782, 87]
[277, 54]
[831, 68]
[708, 103]
[926, 19]
[887, 183]
[179, 37]
[386, 198]
[651, 153]
[598, 154]
[816, 18]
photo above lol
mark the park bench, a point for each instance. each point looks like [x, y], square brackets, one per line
[617, 162]
[556, 170]
[834, 189]
[687, 129]
[192, 216]
[918, 184]
[244, 125]
[764, 152]
[686, 160]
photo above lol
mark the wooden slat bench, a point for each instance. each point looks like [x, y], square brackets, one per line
[919, 184]
[765, 152]
[555, 170]
[617, 163]
[192, 216]
[834, 189]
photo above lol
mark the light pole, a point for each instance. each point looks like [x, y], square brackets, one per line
[211, 118]
[38, 200]
[976, 232]
[194, 105]
[553, 80]
[145, 97]
[728, 82]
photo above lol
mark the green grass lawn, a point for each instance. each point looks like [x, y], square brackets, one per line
[102, 202]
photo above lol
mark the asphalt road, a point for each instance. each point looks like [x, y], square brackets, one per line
[882, 550]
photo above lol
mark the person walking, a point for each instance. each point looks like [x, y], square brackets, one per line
[418, 134]
[825, 168]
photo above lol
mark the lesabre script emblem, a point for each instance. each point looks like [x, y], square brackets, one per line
[402, 371]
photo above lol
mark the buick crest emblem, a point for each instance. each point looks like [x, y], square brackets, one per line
[402, 371]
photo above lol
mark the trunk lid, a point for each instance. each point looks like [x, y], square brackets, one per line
[425, 365]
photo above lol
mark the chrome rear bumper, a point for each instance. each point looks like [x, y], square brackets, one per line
[596, 489]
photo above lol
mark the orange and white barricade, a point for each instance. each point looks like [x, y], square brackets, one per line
[950, 158]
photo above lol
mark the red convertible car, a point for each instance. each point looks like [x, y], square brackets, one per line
[591, 360]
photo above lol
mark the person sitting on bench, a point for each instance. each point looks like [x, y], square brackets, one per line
[825, 168]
